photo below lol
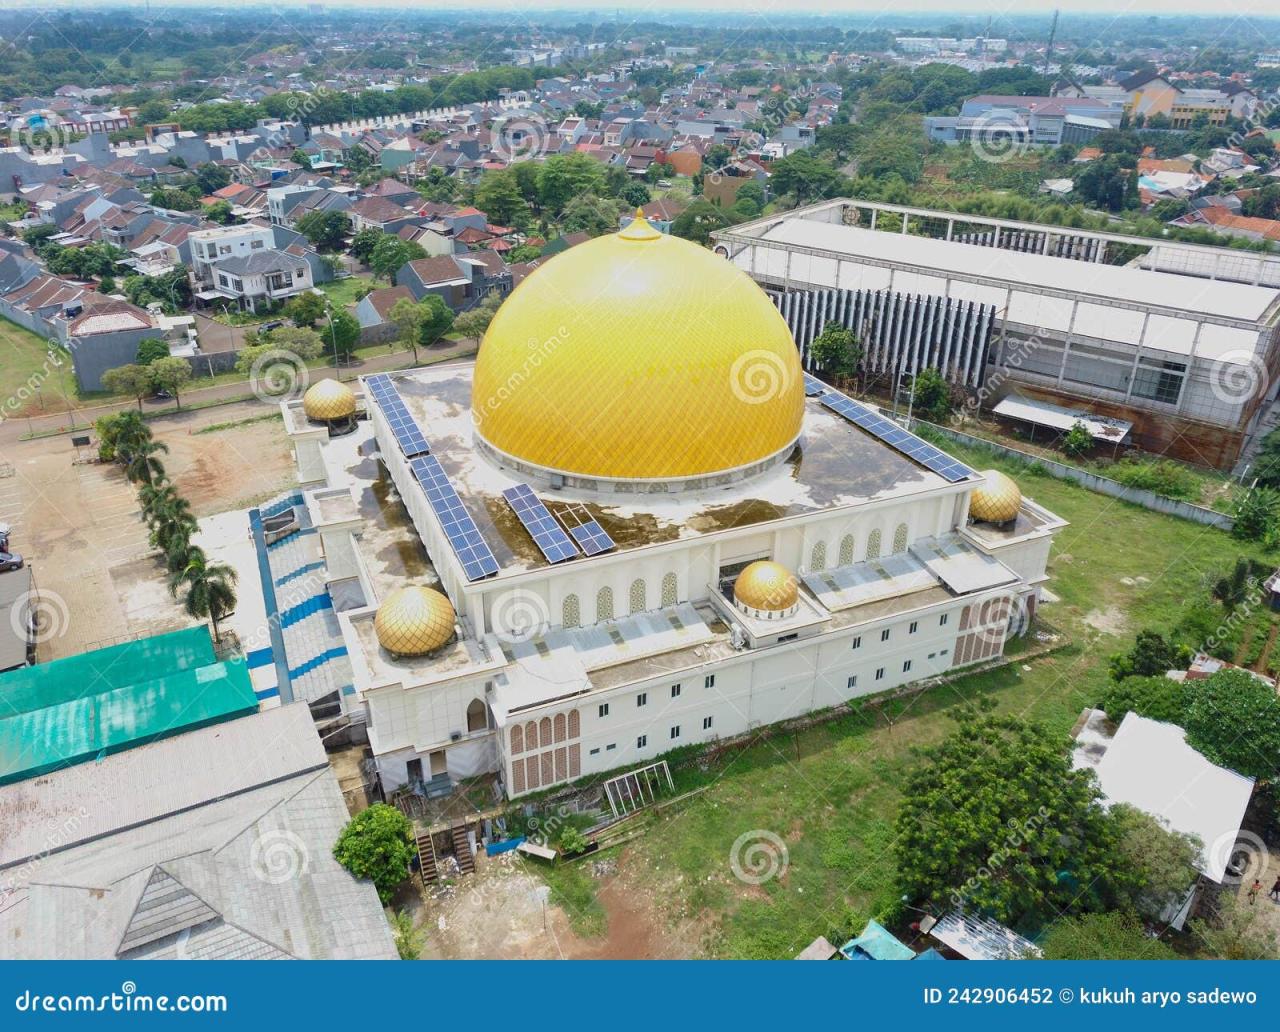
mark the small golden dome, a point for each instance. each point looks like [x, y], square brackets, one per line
[327, 400]
[414, 621]
[767, 586]
[997, 500]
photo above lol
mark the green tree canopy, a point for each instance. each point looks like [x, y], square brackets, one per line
[1233, 719]
[326, 230]
[151, 349]
[1116, 935]
[171, 375]
[377, 844]
[498, 196]
[391, 254]
[836, 350]
[698, 221]
[133, 380]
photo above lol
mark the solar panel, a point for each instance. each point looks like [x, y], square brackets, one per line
[402, 425]
[547, 533]
[464, 536]
[813, 386]
[591, 537]
[896, 437]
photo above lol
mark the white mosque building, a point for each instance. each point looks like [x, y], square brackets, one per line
[637, 526]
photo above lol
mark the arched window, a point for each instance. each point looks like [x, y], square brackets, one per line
[574, 729]
[604, 604]
[846, 550]
[517, 741]
[638, 593]
[818, 558]
[572, 614]
[900, 539]
[544, 731]
[477, 716]
[670, 591]
[558, 726]
[873, 544]
[531, 735]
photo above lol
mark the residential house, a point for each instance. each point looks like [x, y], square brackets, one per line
[262, 277]
[373, 313]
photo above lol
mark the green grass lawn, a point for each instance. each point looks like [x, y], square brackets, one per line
[832, 792]
[37, 378]
[343, 292]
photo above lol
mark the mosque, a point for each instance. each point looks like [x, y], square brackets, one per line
[635, 524]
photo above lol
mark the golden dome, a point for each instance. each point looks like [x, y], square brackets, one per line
[638, 356]
[414, 621]
[767, 586]
[997, 500]
[328, 400]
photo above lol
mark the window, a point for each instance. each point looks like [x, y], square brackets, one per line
[706, 723]
[675, 731]
[604, 604]
[846, 550]
[915, 626]
[638, 595]
[604, 709]
[856, 643]
[670, 592]
[873, 544]
[709, 681]
[477, 716]
[1159, 381]
[906, 666]
[818, 557]
[880, 673]
[642, 699]
[852, 682]
[900, 539]
[675, 691]
[610, 747]
[942, 620]
[884, 635]
[595, 751]
[642, 741]
[256, 245]
[571, 612]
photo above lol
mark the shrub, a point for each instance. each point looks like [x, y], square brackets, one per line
[1155, 697]
[1077, 441]
[1163, 477]
[377, 844]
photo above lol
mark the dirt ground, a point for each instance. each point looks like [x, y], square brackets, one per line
[80, 528]
[503, 912]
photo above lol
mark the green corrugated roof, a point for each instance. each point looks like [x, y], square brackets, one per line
[90, 673]
[80, 729]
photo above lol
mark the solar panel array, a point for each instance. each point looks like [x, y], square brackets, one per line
[464, 536]
[813, 386]
[403, 425]
[547, 534]
[895, 437]
[591, 538]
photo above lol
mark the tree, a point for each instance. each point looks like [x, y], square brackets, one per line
[1160, 862]
[211, 177]
[210, 589]
[142, 463]
[836, 350]
[1152, 654]
[589, 214]
[1111, 936]
[130, 379]
[498, 196]
[996, 820]
[635, 194]
[300, 157]
[219, 212]
[806, 177]
[377, 844]
[1077, 441]
[434, 321]
[1256, 513]
[344, 332]
[151, 349]
[305, 309]
[392, 253]
[474, 322]
[1157, 697]
[1235, 931]
[363, 243]
[1266, 466]
[172, 375]
[408, 938]
[698, 221]
[931, 396]
[1233, 719]
[325, 229]
[174, 199]
[563, 177]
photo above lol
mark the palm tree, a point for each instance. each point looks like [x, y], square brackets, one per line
[141, 464]
[154, 496]
[210, 588]
[172, 520]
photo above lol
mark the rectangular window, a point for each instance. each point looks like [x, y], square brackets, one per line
[852, 682]
[610, 747]
[675, 731]
[942, 620]
[642, 741]
[675, 691]
[857, 642]
[709, 681]
[788, 637]
[642, 698]
[884, 635]
[604, 709]
[595, 752]
[906, 666]
[880, 674]
[706, 723]
[915, 626]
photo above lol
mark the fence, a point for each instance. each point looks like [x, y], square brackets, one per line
[1134, 495]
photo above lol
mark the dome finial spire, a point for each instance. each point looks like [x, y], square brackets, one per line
[639, 228]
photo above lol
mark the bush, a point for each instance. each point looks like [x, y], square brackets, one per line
[1154, 697]
[1163, 477]
[377, 844]
[1255, 514]
[1077, 441]
[1233, 720]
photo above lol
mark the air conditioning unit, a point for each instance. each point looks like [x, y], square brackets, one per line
[455, 736]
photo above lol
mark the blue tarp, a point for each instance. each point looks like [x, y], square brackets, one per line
[876, 943]
[494, 848]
